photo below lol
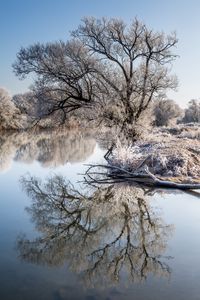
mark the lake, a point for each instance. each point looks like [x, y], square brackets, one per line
[62, 239]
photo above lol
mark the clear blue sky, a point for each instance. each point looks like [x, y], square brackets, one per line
[24, 22]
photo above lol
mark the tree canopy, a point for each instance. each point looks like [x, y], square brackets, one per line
[106, 63]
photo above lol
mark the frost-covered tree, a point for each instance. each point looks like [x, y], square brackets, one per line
[10, 116]
[192, 112]
[34, 105]
[105, 64]
[166, 112]
[26, 103]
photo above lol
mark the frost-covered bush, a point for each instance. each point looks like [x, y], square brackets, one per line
[169, 158]
[166, 112]
[192, 112]
[10, 115]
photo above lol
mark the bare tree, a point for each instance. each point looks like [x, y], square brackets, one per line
[166, 112]
[105, 64]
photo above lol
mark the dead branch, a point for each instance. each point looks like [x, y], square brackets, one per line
[114, 174]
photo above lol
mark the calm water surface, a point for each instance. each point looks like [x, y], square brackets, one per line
[116, 242]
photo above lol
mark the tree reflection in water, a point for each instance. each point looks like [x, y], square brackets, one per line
[103, 234]
[49, 148]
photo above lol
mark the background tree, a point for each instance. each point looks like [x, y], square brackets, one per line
[36, 106]
[166, 112]
[192, 112]
[105, 64]
[10, 116]
[27, 103]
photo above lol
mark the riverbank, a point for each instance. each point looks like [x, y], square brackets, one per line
[164, 154]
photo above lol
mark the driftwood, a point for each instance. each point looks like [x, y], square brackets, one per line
[113, 174]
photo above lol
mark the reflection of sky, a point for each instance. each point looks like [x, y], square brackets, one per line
[183, 211]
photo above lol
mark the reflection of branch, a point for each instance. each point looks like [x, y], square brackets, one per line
[101, 233]
[127, 252]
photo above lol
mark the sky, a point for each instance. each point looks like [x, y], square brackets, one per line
[25, 22]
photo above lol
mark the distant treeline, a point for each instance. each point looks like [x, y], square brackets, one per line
[23, 111]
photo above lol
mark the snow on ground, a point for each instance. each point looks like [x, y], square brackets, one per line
[168, 152]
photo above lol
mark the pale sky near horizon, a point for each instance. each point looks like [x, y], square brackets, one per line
[24, 22]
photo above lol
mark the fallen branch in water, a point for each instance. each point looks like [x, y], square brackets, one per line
[114, 174]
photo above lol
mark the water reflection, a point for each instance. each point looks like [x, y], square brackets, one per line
[50, 148]
[106, 235]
